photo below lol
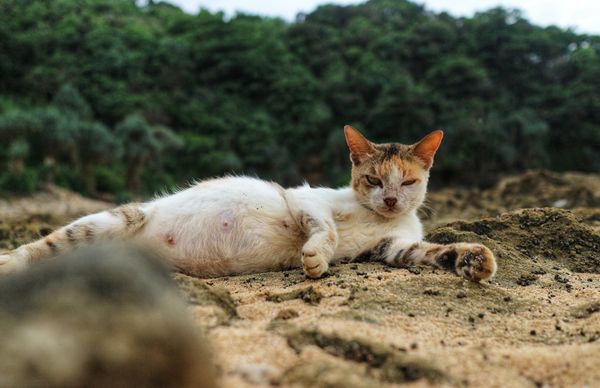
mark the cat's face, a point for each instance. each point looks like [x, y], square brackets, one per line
[391, 179]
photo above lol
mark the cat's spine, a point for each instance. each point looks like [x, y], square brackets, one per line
[472, 261]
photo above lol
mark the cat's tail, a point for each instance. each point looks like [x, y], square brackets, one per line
[121, 222]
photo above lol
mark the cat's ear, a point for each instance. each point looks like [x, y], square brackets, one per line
[359, 146]
[426, 148]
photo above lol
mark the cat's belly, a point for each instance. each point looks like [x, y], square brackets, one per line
[228, 226]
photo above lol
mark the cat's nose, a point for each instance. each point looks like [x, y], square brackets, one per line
[390, 201]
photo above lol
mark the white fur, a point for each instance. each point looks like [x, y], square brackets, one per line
[238, 225]
[255, 238]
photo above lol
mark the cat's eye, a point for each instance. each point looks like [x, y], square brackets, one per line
[373, 181]
[409, 182]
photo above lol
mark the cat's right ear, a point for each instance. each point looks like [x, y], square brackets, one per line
[359, 146]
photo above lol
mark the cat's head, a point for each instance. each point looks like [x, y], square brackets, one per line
[391, 179]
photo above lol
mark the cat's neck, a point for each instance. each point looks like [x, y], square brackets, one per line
[343, 201]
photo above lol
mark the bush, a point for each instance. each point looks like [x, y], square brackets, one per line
[109, 180]
[27, 182]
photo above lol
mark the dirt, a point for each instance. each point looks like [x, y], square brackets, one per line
[577, 191]
[537, 323]
[23, 219]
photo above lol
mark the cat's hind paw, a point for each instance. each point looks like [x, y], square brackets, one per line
[314, 264]
[11, 262]
[475, 262]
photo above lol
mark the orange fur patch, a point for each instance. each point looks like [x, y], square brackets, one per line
[409, 168]
[386, 166]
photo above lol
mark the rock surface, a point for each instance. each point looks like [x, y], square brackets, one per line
[576, 191]
[101, 317]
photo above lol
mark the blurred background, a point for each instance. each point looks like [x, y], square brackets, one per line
[121, 98]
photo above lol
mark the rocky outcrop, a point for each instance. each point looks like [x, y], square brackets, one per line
[101, 317]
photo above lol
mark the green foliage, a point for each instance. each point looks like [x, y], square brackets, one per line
[69, 101]
[202, 157]
[144, 145]
[112, 95]
[23, 182]
[96, 144]
[16, 124]
[110, 181]
[18, 149]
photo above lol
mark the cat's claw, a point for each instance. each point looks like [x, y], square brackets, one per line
[314, 264]
[475, 262]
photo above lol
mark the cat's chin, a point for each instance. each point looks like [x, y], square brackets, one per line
[387, 213]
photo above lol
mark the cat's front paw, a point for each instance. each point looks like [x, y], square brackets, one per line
[314, 264]
[475, 262]
[11, 262]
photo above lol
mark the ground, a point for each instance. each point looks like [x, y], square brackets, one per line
[536, 324]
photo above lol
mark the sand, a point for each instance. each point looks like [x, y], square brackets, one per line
[537, 323]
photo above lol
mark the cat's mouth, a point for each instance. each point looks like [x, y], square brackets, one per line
[389, 212]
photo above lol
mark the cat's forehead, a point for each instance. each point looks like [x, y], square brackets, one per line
[394, 161]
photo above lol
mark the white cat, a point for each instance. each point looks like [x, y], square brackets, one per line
[238, 225]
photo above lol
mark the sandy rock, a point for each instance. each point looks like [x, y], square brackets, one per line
[102, 317]
[532, 189]
[530, 242]
[537, 323]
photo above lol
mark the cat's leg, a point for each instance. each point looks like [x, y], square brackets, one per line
[322, 241]
[315, 220]
[472, 261]
[121, 222]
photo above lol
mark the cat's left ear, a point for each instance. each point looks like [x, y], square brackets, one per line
[426, 148]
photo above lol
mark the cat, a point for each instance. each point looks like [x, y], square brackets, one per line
[241, 225]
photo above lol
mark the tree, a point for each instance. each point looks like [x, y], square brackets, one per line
[261, 95]
[15, 127]
[96, 145]
[144, 145]
[55, 139]
[70, 128]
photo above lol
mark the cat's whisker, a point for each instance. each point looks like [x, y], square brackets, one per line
[427, 210]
